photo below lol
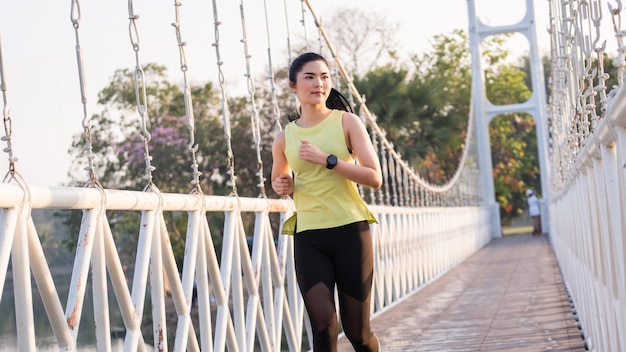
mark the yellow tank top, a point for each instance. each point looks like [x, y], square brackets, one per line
[323, 198]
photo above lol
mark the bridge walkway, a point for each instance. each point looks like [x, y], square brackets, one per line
[508, 296]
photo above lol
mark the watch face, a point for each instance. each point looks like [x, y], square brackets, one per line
[331, 161]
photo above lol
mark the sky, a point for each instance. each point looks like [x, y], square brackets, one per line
[41, 71]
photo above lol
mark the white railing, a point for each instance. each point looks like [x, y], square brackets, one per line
[587, 202]
[588, 225]
[248, 300]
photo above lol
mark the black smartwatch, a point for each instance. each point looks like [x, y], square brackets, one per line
[331, 161]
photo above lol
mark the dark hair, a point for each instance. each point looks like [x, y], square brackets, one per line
[335, 99]
[300, 61]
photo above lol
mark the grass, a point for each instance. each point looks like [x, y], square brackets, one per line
[516, 230]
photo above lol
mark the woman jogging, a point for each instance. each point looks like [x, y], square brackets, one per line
[329, 152]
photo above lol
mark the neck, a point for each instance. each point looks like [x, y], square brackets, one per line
[315, 112]
[312, 115]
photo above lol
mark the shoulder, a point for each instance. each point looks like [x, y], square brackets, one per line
[279, 137]
[351, 120]
[289, 126]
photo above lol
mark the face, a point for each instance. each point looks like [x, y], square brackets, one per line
[313, 83]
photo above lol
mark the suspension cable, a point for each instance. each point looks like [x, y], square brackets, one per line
[273, 99]
[303, 22]
[620, 61]
[225, 112]
[192, 146]
[254, 115]
[289, 49]
[75, 17]
[8, 124]
[140, 94]
[578, 80]
[288, 37]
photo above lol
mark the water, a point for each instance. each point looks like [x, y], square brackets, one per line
[44, 337]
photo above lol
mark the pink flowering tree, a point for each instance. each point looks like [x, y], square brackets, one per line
[120, 152]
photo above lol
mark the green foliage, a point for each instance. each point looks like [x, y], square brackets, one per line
[443, 77]
[120, 150]
[424, 111]
[423, 106]
[513, 141]
[54, 250]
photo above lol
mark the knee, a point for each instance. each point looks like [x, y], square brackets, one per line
[326, 338]
[363, 343]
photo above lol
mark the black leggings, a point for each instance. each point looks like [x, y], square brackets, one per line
[342, 256]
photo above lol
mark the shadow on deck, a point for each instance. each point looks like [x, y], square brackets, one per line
[508, 296]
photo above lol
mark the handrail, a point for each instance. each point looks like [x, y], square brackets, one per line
[247, 299]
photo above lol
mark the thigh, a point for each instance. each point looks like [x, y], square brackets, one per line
[354, 262]
[313, 263]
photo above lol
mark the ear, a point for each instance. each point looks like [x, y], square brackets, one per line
[292, 86]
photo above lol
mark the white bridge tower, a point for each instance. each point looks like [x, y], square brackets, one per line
[484, 111]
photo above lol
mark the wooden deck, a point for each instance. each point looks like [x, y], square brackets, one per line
[509, 296]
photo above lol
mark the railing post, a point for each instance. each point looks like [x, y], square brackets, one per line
[21, 283]
[8, 223]
[100, 291]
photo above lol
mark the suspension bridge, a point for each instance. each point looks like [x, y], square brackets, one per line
[434, 244]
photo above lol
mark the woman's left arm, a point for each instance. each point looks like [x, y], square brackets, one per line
[367, 170]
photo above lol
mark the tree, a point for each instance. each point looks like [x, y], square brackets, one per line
[363, 44]
[513, 139]
[120, 151]
[116, 133]
[445, 75]
[447, 70]
[425, 109]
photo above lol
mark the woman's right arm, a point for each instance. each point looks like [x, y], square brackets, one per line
[282, 182]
